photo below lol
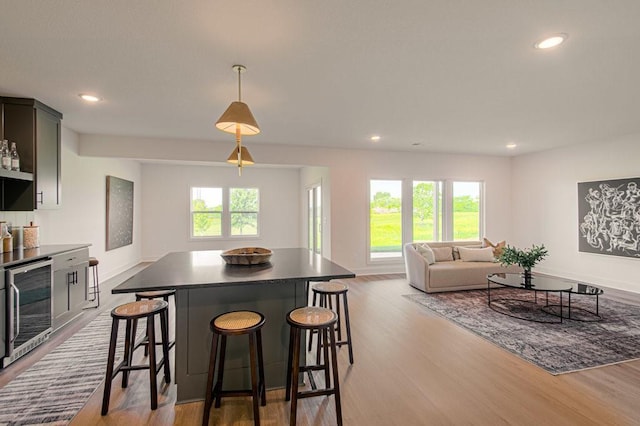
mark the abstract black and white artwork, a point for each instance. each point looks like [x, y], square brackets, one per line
[119, 212]
[609, 217]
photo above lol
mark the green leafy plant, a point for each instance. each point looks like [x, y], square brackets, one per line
[525, 258]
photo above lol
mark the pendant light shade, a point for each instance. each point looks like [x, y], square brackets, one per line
[243, 156]
[238, 114]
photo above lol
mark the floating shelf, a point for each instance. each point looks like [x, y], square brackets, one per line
[10, 174]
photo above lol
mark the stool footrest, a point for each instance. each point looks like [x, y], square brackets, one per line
[239, 392]
[319, 392]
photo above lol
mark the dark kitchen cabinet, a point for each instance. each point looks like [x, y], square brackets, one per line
[69, 285]
[36, 129]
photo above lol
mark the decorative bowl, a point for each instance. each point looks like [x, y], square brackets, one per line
[247, 256]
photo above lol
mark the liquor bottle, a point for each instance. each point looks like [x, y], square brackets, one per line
[6, 157]
[15, 158]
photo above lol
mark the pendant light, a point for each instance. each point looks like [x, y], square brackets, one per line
[237, 119]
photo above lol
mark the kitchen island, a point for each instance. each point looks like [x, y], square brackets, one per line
[205, 287]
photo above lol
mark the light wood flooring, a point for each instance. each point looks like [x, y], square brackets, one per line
[411, 367]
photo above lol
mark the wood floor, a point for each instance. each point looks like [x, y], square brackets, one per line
[411, 367]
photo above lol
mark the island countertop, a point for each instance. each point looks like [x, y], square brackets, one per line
[193, 269]
[16, 257]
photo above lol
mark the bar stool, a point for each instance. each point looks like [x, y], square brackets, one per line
[150, 295]
[132, 312]
[234, 324]
[327, 291]
[322, 320]
[95, 288]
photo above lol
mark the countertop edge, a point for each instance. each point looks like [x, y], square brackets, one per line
[17, 257]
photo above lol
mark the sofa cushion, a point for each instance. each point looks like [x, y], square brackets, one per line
[426, 252]
[456, 252]
[458, 273]
[443, 254]
[476, 254]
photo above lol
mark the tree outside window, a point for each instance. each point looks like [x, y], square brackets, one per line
[206, 212]
[243, 209]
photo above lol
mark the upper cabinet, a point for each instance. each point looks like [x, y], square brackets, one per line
[36, 129]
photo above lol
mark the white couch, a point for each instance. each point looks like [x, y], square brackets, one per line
[449, 275]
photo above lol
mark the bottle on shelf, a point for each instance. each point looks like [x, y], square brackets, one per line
[6, 156]
[15, 158]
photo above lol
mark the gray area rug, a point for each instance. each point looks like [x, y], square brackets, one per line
[54, 389]
[558, 347]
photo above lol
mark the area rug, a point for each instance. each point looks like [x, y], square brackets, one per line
[54, 389]
[559, 347]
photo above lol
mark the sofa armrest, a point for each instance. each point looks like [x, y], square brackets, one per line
[416, 267]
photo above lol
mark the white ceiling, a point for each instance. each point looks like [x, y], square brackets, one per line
[452, 75]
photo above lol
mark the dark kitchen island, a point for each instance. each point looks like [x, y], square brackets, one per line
[205, 287]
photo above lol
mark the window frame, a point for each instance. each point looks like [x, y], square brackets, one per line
[231, 212]
[225, 215]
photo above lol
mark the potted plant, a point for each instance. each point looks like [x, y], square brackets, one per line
[525, 258]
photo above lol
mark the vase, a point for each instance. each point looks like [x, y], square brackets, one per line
[527, 277]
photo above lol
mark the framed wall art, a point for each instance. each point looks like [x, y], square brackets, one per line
[119, 212]
[609, 217]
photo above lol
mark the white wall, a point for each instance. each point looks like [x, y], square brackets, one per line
[545, 207]
[350, 171]
[165, 206]
[82, 216]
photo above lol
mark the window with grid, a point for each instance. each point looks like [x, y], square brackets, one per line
[206, 212]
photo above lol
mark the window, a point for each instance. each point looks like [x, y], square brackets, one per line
[432, 210]
[446, 210]
[427, 210]
[466, 211]
[385, 219]
[243, 208]
[206, 212]
[214, 215]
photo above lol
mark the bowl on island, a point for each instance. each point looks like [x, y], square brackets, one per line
[247, 256]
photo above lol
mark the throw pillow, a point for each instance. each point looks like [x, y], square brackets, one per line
[476, 254]
[427, 253]
[456, 253]
[498, 248]
[443, 254]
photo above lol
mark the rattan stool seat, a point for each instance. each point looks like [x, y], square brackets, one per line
[93, 261]
[238, 321]
[139, 309]
[312, 317]
[155, 294]
[330, 287]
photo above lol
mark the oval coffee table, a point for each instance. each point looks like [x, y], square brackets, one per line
[513, 306]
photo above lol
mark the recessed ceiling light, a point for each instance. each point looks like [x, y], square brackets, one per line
[552, 41]
[511, 145]
[89, 98]
[375, 138]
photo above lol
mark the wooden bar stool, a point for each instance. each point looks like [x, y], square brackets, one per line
[328, 291]
[95, 288]
[132, 312]
[150, 295]
[322, 320]
[234, 324]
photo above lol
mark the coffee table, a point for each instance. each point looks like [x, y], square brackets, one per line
[583, 313]
[539, 283]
